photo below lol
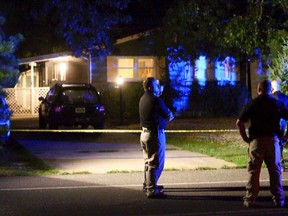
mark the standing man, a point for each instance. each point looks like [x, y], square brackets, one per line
[276, 92]
[264, 113]
[154, 115]
[282, 97]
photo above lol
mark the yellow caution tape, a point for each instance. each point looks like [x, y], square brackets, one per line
[117, 131]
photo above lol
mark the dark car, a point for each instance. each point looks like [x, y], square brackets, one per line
[5, 122]
[71, 105]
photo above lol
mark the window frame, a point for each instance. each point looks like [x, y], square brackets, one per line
[136, 69]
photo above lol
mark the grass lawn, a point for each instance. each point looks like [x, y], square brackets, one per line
[17, 161]
[226, 146]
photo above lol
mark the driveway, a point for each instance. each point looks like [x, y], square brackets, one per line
[110, 152]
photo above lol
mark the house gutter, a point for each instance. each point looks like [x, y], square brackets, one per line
[43, 58]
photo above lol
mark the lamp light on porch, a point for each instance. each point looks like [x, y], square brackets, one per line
[120, 81]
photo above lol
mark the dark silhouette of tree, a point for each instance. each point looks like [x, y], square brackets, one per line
[8, 61]
[279, 68]
[89, 26]
[246, 30]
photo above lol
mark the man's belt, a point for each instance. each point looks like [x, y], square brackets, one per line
[145, 129]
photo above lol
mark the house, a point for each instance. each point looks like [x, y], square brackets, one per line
[41, 72]
[135, 58]
[47, 70]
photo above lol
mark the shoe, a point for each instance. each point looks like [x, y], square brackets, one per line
[144, 189]
[156, 195]
[158, 187]
[248, 203]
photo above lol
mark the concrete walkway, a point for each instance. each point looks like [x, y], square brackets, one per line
[110, 153]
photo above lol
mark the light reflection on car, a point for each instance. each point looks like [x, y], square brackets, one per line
[71, 105]
[5, 121]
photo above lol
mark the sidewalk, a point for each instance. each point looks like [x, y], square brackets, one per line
[113, 154]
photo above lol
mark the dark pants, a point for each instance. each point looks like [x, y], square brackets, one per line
[153, 144]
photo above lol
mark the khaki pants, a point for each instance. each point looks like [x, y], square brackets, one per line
[265, 149]
[153, 144]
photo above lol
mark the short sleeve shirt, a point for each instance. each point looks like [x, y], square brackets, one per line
[153, 111]
[264, 113]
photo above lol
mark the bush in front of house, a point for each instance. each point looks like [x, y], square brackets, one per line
[131, 94]
[211, 100]
[214, 100]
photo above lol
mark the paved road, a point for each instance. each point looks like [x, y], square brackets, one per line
[214, 192]
[206, 192]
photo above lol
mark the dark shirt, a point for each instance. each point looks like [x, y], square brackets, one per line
[264, 113]
[153, 111]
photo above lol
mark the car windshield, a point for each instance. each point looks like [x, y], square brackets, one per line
[79, 96]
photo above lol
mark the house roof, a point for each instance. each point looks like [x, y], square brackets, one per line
[43, 58]
[132, 37]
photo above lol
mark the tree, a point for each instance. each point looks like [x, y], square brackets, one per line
[242, 29]
[191, 28]
[279, 67]
[89, 25]
[37, 25]
[8, 61]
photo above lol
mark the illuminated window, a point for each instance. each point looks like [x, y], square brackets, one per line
[55, 73]
[135, 68]
[126, 67]
[225, 70]
[63, 69]
[200, 72]
[145, 67]
[59, 72]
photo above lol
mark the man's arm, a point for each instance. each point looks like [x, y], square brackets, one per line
[170, 116]
[165, 112]
[241, 127]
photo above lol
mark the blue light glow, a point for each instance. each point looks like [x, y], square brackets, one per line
[181, 81]
[225, 71]
[200, 70]
[182, 76]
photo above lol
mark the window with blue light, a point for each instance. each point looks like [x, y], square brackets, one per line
[225, 71]
[182, 74]
[200, 70]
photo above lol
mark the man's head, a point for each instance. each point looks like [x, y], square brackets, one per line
[264, 87]
[151, 84]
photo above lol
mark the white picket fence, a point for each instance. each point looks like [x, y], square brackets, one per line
[24, 101]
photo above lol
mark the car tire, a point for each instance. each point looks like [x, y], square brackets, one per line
[42, 123]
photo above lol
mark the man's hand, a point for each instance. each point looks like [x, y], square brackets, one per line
[171, 116]
[241, 127]
[247, 140]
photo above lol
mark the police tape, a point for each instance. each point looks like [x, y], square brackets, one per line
[118, 131]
